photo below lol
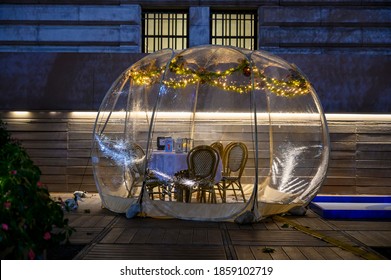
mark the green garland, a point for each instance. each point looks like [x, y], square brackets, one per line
[295, 84]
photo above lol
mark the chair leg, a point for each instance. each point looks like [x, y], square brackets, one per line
[233, 189]
[214, 198]
[219, 189]
[224, 197]
[241, 189]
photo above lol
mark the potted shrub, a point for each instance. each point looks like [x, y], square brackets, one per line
[31, 221]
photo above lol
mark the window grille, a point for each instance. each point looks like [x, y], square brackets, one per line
[163, 29]
[234, 29]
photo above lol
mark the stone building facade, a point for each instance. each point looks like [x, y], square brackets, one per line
[59, 57]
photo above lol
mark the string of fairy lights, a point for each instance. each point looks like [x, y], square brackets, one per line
[293, 85]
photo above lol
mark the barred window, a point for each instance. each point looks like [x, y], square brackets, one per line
[234, 28]
[164, 29]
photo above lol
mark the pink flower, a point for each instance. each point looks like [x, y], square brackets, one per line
[47, 235]
[13, 172]
[31, 254]
[4, 226]
[39, 184]
[7, 205]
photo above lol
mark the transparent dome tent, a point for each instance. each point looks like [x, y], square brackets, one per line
[262, 111]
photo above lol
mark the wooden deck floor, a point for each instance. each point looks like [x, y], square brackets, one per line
[107, 235]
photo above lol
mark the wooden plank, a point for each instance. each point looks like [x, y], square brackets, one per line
[154, 252]
[383, 237]
[279, 253]
[45, 136]
[310, 253]
[200, 236]
[80, 136]
[104, 221]
[374, 164]
[379, 147]
[79, 170]
[79, 221]
[270, 224]
[373, 137]
[142, 235]
[113, 235]
[343, 146]
[374, 155]
[370, 172]
[313, 223]
[126, 236]
[330, 181]
[343, 137]
[349, 225]
[327, 253]
[342, 163]
[244, 253]
[338, 235]
[259, 254]
[50, 161]
[341, 190]
[336, 155]
[157, 236]
[48, 153]
[32, 144]
[14, 127]
[84, 235]
[214, 237]
[185, 236]
[80, 144]
[363, 237]
[345, 254]
[342, 172]
[57, 187]
[372, 181]
[274, 237]
[341, 128]
[171, 236]
[93, 220]
[53, 170]
[74, 153]
[370, 128]
[373, 190]
[294, 253]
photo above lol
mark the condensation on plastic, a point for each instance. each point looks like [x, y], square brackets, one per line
[211, 94]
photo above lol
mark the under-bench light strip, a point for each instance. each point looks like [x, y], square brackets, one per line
[218, 116]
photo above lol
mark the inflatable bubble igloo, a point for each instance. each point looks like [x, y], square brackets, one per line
[210, 133]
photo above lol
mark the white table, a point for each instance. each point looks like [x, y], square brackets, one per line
[166, 164]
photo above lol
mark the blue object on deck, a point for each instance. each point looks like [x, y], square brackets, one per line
[352, 207]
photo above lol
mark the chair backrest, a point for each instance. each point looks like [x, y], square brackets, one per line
[138, 154]
[202, 162]
[219, 147]
[235, 158]
[138, 150]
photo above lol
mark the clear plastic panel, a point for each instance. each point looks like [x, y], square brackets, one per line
[122, 128]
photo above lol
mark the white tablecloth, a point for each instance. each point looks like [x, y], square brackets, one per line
[168, 163]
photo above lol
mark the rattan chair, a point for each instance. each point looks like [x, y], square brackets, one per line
[202, 164]
[136, 168]
[219, 147]
[234, 162]
[154, 186]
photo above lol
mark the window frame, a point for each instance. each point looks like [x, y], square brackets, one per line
[229, 39]
[158, 16]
